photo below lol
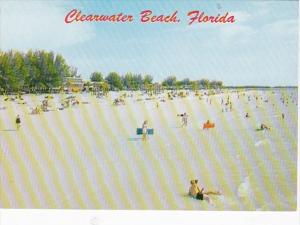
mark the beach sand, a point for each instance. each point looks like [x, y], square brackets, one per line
[88, 156]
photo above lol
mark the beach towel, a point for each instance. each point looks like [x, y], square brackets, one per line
[139, 131]
[208, 125]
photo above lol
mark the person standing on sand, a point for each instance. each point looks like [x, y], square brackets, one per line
[185, 119]
[18, 122]
[144, 130]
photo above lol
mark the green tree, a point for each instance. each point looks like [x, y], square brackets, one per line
[32, 70]
[6, 73]
[73, 71]
[115, 81]
[194, 85]
[204, 83]
[169, 81]
[61, 66]
[104, 86]
[138, 79]
[129, 82]
[147, 80]
[185, 82]
[219, 84]
[96, 77]
[216, 84]
[213, 84]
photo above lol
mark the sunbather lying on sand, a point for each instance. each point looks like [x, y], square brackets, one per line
[119, 101]
[264, 127]
[200, 194]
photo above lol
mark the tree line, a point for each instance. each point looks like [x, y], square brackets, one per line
[138, 82]
[43, 71]
[33, 70]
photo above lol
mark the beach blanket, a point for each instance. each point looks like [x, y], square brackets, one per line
[208, 125]
[139, 131]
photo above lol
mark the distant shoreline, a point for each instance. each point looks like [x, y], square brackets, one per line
[246, 88]
[266, 87]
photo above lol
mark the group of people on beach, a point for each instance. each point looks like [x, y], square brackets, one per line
[194, 191]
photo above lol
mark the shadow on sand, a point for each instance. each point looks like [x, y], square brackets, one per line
[185, 195]
[134, 138]
[8, 130]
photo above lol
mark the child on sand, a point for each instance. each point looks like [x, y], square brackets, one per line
[18, 122]
[200, 194]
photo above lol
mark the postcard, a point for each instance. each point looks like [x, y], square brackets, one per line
[154, 106]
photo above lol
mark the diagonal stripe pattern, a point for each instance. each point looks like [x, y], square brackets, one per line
[88, 156]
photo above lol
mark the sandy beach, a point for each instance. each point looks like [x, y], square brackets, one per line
[88, 156]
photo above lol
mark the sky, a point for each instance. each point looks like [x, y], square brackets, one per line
[260, 48]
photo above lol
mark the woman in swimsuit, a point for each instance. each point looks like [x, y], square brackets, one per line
[144, 130]
[200, 194]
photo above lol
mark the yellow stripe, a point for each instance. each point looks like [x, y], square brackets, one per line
[266, 192]
[161, 144]
[26, 186]
[208, 151]
[98, 138]
[116, 146]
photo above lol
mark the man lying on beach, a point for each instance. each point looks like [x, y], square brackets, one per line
[200, 194]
